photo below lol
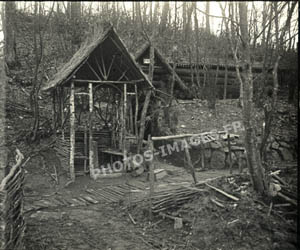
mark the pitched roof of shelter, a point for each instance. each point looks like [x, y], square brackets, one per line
[110, 52]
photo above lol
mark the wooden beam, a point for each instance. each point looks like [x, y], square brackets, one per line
[91, 151]
[72, 131]
[108, 82]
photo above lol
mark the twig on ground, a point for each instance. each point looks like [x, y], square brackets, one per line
[223, 192]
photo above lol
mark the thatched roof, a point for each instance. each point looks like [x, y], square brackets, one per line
[103, 49]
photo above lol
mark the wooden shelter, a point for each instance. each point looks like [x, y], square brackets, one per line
[97, 91]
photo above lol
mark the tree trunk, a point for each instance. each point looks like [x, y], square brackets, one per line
[146, 102]
[3, 83]
[75, 20]
[271, 107]
[10, 37]
[164, 17]
[253, 156]
[207, 23]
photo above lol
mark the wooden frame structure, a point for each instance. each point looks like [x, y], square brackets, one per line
[99, 82]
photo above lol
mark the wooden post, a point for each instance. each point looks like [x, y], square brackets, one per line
[91, 151]
[62, 113]
[143, 119]
[72, 131]
[54, 113]
[136, 112]
[85, 149]
[124, 127]
[202, 148]
[190, 164]
[95, 148]
[130, 115]
[121, 115]
[151, 176]
[229, 152]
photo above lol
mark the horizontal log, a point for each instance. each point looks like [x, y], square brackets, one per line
[168, 137]
[107, 82]
[184, 72]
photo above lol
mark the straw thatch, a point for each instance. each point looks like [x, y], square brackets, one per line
[82, 55]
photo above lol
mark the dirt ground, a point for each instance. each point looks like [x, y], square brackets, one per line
[105, 225]
[55, 221]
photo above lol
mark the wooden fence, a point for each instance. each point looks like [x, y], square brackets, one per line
[12, 223]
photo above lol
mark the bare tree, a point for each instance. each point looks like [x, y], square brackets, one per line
[253, 156]
[3, 82]
[10, 38]
[270, 106]
[207, 22]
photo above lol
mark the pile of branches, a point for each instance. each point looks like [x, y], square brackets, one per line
[284, 196]
[168, 199]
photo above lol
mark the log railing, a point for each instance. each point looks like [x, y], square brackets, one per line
[12, 223]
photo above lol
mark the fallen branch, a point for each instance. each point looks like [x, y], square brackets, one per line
[217, 203]
[223, 192]
[294, 202]
[132, 220]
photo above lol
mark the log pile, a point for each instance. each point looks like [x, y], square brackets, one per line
[12, 224]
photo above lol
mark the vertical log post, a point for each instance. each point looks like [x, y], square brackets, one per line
[190, 164]
[142, 120]
[202, 155]
[136, 112]
[229, 152]
[62, 113]
[54, 113]
[91, 148]
[124, 127]
[130, 116]
[85, 149]
[121, 122]
[151, 176]
[72, 131]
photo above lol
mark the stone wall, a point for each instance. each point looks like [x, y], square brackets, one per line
[216, 153]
